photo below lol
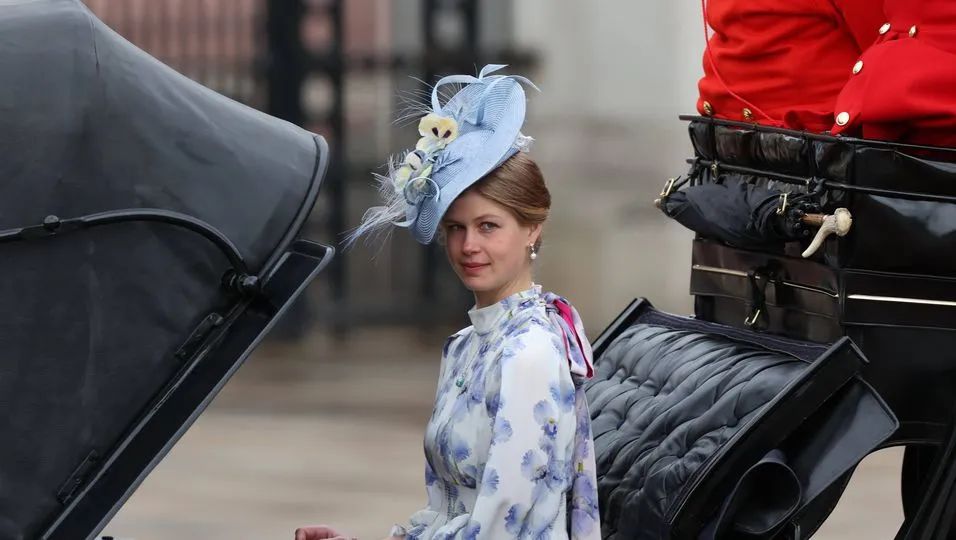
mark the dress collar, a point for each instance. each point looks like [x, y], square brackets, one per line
[487, 318]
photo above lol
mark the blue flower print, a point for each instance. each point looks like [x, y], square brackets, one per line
[511, 349]
[448, 343]
[582, 438]
[544, 415]
[501, 432]
[543, 471]
[507, 353]
[584, 505]
[534, 466]
[489, 482]
[459, 347]
[514, 520]
[471, 530]
[484, 347]
[476, 386]
[557, 475]
[493, 403]
[524, 523]
[541, 322]
[460, 450]
[582, 449]
[473, 395]
[513, 331]
[564, 397]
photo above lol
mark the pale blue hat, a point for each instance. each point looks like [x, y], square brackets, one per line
[461, 142]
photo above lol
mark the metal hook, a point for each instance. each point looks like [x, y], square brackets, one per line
[668, 188]
[783, 203]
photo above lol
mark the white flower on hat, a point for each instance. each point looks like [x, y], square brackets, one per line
[414, 160]
[414, 166]
[436, 131]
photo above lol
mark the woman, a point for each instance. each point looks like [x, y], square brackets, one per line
[508, 447]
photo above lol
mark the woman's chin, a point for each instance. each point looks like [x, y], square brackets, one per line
[475, 283]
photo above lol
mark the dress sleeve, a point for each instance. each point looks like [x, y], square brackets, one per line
[419, 520]
[525, 480]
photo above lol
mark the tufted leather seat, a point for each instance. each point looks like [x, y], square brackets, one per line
[669, 399]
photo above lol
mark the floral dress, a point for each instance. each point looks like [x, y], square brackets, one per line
[508, 448]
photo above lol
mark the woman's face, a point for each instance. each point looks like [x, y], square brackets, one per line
[487, 246]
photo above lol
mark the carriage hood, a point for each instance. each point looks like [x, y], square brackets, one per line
[149, 238]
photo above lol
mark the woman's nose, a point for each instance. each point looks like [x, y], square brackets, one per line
[470, 245]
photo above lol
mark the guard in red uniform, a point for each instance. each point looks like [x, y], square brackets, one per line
[783, 63]
[903, 87]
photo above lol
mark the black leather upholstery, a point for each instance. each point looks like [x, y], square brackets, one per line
[661, 401]
[709, 432]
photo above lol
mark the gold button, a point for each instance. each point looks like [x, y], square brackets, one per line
[748, 114]
[858, 67]
[708, 108]
[885, 28]
[913, 31]
[843, 118]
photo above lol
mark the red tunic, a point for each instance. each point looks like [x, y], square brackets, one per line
[782, 63]
[905, 87]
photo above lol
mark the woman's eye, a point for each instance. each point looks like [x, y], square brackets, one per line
[487, 226]
[451, 228]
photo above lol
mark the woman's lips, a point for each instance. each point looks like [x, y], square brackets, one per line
[473, 269]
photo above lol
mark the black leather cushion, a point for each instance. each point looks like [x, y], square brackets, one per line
[662, 401]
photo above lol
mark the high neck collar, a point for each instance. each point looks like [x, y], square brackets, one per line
[485, 319]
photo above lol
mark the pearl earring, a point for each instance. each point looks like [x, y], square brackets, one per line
[534, 252]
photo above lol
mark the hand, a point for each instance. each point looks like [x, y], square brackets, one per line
[320, 532]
